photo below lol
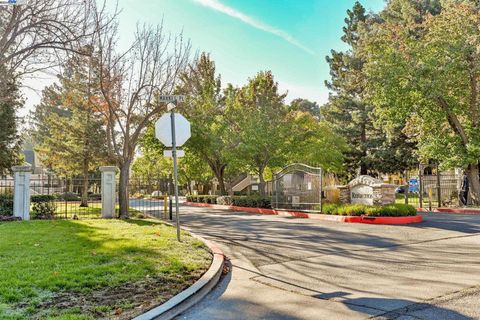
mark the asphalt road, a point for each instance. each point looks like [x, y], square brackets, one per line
[285, 268]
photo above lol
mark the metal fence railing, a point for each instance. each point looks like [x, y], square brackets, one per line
[431, 191]
[6, 196]
[146, 195]
[69, 198]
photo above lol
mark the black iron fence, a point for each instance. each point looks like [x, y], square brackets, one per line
[68, 198]
[431, 191]
[147, 195]
[6, 196]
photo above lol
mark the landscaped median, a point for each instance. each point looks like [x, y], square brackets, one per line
[351, 213]
[91, 269]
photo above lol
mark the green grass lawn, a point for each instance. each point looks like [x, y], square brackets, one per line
[92, 269]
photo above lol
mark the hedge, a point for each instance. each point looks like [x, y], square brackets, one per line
[240, 201]
[6, 204]
[390, 210]
[43, 206]
[42, 198]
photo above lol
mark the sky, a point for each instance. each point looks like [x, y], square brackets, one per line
[289, 37]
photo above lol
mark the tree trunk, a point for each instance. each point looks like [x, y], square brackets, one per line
[261, 187]
[84, 202]
[219, 174]
[363, 141]
[473, 172]
[123, 190]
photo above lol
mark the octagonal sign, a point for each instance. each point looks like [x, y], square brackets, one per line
[163, 129]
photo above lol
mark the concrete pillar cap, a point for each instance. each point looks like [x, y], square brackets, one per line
[108, 169]
[22, 168]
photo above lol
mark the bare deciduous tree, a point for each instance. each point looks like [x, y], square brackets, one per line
[130, 82]
[34, 35]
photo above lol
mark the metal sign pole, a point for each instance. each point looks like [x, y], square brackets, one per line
[175, 173]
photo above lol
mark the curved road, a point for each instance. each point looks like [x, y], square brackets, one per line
[285, 268]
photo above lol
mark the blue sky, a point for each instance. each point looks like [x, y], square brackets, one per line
[289, 37]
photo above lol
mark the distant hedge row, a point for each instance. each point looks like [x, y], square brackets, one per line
[390, 210]
[240, 201]
[6, 204]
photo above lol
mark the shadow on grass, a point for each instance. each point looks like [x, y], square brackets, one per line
[143, 223]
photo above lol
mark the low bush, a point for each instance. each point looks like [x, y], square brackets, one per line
[330, 208]
[390, 210]
[138, 195]
[352, 210]
[210, 199]
[252, 201]
[68, 196]
[240, 201]
[42, 198]
[43, 206]
[225, 200]
[95, 196]
[6, 204]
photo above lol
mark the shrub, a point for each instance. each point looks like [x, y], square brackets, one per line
[390, 210]
[225, 200]
[352, 210]
[42, 198]
[6, 204]
[95, 196]
[138, 195]
[43, 206]
[240, 201]
[68, 196]
[251, 201]
[330, 208]
[398, 210]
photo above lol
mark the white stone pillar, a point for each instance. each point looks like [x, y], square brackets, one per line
[108, 192]
[21, 196]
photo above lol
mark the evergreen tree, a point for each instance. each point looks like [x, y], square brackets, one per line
[372, 148]
[346, 110]
[10, 140]
[68, 131]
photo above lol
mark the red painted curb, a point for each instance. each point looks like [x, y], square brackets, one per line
[317, 216]
[451, 210]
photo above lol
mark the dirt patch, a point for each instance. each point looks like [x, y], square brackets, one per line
[120, 302]
[9, 218]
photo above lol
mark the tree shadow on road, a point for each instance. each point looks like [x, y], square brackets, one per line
[464, 223]
[397, 308]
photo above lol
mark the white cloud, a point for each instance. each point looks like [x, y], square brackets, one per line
[220, 7]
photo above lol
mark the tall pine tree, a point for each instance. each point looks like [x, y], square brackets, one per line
[372, 149]
[10, 140]
[68, 130]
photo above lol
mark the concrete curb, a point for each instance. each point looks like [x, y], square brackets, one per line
[451, 210]
[316, 216]
[192, 295]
